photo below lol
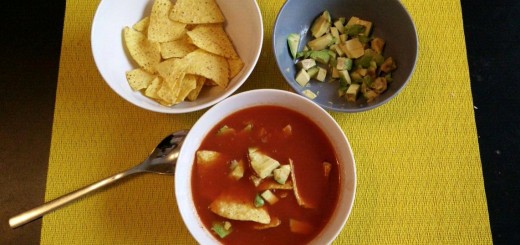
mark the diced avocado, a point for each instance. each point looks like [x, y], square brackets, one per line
[262, 164]
[343, 63]
[300, 54]
[322, 56]
[302, 78]
[326, 15]
[282, 173]
[322, 73]
[306, 64]
[355, 30]
[313, 71]
[321, 42]
[355, 77]
[320, 26]
[335, 33]
[222, 229]
[389, 78]
[344, 76]
[338, 50]
[379, 59]
[269, 197]
[332, 54]
[364, 39]
[352, 21]
[352, 92]
[388, 65]
[293, 40]
[224, 130]
[309, 94]
[334, 73]
[343, 38]
[237, 169]
[353, 48]
[259, 201]
[339, 26]
[364, 61]
[367, 25]
[357, 21]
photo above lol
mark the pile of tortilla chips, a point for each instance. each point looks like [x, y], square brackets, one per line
[180, 48]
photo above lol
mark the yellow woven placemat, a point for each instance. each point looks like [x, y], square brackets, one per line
[419, 172]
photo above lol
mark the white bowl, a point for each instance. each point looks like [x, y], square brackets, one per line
[243, 25]
[255, 98]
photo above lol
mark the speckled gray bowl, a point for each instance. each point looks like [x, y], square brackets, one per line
[391, 22]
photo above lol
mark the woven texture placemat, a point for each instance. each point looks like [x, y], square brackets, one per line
[419, 172]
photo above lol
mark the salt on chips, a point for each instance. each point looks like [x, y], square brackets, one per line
[180, 49]
[161, 28]
[213, 38]
[146, 53]
[197, 12]
[208, 65]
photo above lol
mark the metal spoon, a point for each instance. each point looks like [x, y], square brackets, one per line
[162, 160]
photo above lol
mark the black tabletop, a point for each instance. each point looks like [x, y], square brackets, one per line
[30, 43]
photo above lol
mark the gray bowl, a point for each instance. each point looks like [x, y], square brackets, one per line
[391, 22]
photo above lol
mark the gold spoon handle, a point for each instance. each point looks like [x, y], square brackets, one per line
[50, 206]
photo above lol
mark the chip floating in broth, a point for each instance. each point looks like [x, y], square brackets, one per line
[181, 48]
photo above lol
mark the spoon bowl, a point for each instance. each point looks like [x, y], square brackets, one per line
[162, 160]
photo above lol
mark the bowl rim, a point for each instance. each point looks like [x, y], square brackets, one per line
[327, 106]
[246, 72]
[235, 103]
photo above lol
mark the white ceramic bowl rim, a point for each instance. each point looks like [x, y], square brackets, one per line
[112, 60]
[256, 98]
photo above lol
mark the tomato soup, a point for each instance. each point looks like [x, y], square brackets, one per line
[265, 175]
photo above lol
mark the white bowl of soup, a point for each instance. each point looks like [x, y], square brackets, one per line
[265, 167]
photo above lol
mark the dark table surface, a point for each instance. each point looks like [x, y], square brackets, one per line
[30, 43]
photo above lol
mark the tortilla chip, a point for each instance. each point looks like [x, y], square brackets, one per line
[270, 184]
[197, 12]
[275, 222]
[172, 82]
[188, 84]
[213, 39]
[235, 66]
[145, 53]
[142, 25]
[166, 68]
[195, 92]
[139, 79]
[177, 48]
[229, 207]
[151, 90]
[208, 65]
[161, 28]
[306, 203]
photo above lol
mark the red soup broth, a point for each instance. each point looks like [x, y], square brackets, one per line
[305, 144]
